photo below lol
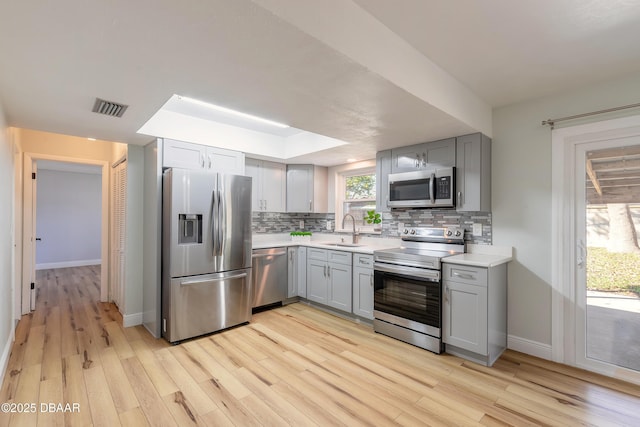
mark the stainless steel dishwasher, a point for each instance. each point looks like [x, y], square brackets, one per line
[269, 276]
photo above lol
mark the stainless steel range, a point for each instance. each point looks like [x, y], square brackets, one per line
[408, 286]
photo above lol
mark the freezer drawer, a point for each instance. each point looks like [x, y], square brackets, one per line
[198, 305]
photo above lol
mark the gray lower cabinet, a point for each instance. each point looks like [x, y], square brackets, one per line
[297, 271]
[474, 315]
[329, 278]
[363, 285]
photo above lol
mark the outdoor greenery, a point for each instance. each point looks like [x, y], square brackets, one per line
[613, 272]
[361, 187]
[300, 233]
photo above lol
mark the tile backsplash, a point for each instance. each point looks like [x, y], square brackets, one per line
[276, 222]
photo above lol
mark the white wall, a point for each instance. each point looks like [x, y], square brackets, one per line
[6, 240]
[68, 218]
[521, 198]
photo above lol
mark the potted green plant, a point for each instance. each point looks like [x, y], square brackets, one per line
[374, 218]
[301, 236]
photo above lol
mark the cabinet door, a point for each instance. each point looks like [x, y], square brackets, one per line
[302, 272]
[317, 281]
[292, 272]
[465, 316]
[439, 153]
[406, 159]
[274, 185]
[340, 286]
[363, 292]
[299, 188]
[383, 169]
[252, 169]
[180, 154]
[473, 173]
[225, 161]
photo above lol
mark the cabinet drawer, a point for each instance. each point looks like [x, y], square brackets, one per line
[318, 254]
[363, 260]
[339, 257]
[465, 274]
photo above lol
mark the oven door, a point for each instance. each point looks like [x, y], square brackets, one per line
[409, 297]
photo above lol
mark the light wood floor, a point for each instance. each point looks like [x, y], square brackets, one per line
[290, 366]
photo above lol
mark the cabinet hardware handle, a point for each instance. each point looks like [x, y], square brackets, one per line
[265, 204]
[209, 157]
[463, 276]
[202, 160]
[328, 271]
[324, 271]
[459, 198]
[310, 205]
[446, 293]
[371, 280]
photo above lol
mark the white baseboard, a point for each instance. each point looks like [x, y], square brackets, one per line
[66, 264]
[6, 352]
[533, 348]
[134, 319]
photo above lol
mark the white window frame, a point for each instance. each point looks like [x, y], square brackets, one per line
[341, 178]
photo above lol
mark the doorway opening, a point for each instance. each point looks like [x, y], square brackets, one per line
[72, 246]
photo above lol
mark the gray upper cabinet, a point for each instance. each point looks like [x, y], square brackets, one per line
[187, 155]
[383, 169]
[306, 188]
[473, 173]
[269, 185]
[424, 156]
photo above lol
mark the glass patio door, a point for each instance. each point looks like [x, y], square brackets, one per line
[607, 218]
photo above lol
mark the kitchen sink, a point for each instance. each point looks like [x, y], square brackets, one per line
[348, 245]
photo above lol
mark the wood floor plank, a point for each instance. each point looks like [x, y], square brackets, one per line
[52, 350]
[50, 393]
[103, 409]
[157, 374]
[151, 403]
[74, 391]
[27, 393]
[188, 387]
[122, 392]
[133, 418]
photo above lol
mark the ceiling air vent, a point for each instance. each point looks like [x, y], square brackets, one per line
[109, 108]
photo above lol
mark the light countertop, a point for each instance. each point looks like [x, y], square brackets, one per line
[482, 256]
[366, 245]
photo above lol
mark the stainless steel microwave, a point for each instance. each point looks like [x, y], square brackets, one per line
[422, 189]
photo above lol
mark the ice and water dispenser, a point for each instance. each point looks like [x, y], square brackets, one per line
[190, 226]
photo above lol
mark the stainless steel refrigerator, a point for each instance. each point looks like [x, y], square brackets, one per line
[206, 252]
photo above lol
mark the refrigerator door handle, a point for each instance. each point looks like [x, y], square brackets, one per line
[214, 208]
[219, 279]
[222, 219]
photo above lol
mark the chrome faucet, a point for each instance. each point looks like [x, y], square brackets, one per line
[355, 234]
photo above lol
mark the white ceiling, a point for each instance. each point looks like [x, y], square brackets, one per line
[374, 73]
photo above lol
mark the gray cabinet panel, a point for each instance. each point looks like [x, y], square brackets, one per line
[363, 285]
[269, 185]
[339, 286]
[424, 156]
[473, 173]
[383, 169]
[465, 314]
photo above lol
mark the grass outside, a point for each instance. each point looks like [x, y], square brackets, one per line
[613, 272]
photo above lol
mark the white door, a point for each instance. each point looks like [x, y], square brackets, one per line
[579, 336]
[607, 289]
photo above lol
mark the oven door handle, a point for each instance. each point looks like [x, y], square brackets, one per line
[430, 275]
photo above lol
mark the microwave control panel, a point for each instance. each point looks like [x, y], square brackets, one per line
[443, 187]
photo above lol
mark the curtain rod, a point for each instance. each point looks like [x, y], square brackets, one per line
[551, 122]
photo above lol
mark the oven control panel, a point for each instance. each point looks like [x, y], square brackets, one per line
[433, 233]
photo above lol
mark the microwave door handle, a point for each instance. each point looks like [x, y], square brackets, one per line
[432, 188]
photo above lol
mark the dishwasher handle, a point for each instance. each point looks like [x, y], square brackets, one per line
[269, 254]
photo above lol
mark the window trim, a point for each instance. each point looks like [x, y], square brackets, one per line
[341, 198]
